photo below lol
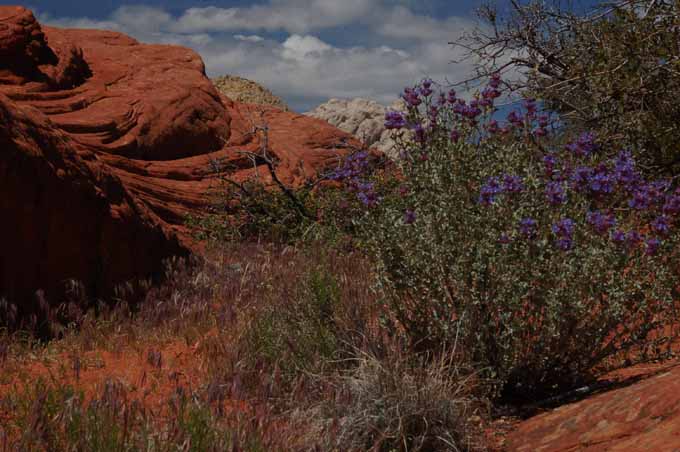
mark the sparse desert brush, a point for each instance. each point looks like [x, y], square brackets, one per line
[403, 403]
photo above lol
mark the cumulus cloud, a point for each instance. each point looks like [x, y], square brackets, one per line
[295, 16]
[290, 54]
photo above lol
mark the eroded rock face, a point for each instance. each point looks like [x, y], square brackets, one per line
[363, 118]
[105, 147]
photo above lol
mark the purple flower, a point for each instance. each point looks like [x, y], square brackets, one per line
[540, 132]
[492, 127]
[419, 133]
[471, 111]
[618, 236]
[644, 196]
[512, 184]
[489, 191]
[515, 119]
[564, 228]
[409, 216]
[584, 145]
[555, 194]
[411, 97]
[460, 107]
[490, 93]
[352, 166]
[565, 243]
[672, 204]
[652, 246]
[455, 136]
[633, 238]
[661, 225]
[451, 98]
[527, 227]
[601, 183]
[530, 106]
[624, 169]
[366, 194]
[640, 200]
[495, 81]
[426, 87]
[580, 178]
[485, 103]
[543, 121]
[601, 223]
[550, 162]
[395, 120]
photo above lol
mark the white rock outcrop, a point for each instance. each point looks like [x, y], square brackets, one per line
[363, 118]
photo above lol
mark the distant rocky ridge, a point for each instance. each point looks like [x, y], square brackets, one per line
[363, 118]
[247, 91]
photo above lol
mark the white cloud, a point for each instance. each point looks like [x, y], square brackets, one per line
[304, 48]
[401, 46]
[295, 16]
[249, 38]
[400, 22]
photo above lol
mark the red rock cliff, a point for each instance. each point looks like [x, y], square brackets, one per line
[105, 145]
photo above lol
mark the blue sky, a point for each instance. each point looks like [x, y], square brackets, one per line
[305, 51]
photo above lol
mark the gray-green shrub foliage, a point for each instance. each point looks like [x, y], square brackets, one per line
[539, 269]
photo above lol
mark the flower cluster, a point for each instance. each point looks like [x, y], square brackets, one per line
[422, 95]
[564, 230]
[614, 183]
[574, 174]
[351, 173]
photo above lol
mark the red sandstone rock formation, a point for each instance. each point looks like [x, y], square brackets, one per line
[642, 417]
[105, 146]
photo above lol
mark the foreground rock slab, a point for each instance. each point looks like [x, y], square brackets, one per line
[642, 417]
[106, 146]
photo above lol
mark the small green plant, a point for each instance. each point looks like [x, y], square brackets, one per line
[300, 335]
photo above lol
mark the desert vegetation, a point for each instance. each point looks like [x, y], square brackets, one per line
[497, 263]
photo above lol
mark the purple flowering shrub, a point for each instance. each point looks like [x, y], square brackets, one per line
[543, 260]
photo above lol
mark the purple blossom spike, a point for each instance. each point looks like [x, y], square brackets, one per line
[661, 225]
[411, 96]
[600, 222]
[652, 246]
[395, 120]
[672, 203]
[489, 191]
[495, 81]
[555, 194]
[580, 178]
[550, 162]
[512, 184]
[527, 227]
[409, 216]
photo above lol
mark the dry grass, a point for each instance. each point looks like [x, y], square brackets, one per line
[256, 347]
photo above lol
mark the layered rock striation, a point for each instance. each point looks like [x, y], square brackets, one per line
[106, 146]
